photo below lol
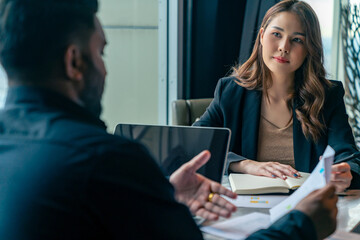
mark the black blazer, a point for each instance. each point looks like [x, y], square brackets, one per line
[238, 109]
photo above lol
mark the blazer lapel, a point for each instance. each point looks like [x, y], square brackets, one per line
[250, 123]
[302, 147]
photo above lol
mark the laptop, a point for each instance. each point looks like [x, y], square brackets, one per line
[172, 146]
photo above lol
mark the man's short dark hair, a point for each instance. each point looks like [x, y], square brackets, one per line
[34, 34]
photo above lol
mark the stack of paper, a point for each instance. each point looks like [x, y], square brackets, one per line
[239, 227]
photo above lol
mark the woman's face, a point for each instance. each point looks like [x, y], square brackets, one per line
[283, 44]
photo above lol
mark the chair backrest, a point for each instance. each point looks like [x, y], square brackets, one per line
[185, 112]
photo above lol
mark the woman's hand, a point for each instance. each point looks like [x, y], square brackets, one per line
[268, 169]
[341, 176]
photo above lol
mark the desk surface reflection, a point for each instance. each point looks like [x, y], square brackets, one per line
[348, 215]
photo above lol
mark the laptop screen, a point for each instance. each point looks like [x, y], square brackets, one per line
[172, 146]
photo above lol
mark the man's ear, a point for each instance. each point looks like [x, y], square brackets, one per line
[74, 63]
[261, 32]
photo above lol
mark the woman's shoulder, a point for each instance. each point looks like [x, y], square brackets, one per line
[227, 83]
[334, 94]
[228, 88]
[336, 83]
[336, 88]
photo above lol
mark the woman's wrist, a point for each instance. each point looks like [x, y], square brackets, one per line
[240, 166]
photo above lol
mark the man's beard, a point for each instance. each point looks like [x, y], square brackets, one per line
[93, 88]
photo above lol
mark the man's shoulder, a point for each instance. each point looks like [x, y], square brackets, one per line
[85, 138]
[92, 136]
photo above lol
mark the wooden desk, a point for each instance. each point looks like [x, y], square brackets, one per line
[348, 215]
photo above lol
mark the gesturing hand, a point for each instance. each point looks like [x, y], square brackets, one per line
[193, 190]
[320, 206]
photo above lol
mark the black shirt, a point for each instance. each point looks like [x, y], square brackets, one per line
[62, 176]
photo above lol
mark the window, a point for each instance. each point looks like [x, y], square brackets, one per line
[132, 85]
[3, 86]
[350, 64]
[324, 10]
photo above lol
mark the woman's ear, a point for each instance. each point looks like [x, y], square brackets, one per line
[74, 63]
[261, 33]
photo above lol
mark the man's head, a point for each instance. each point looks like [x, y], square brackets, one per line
[54, 41]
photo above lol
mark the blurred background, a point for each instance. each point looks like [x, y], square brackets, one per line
[163, 50]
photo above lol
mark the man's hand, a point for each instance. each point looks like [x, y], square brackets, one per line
[341, 176]
[320, 206]
[193, 189]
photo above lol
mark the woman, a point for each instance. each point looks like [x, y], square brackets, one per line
[281, 109]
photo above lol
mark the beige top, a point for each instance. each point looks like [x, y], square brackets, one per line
[275, 144]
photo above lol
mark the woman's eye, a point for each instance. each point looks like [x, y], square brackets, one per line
[276, 34]
[298, 40]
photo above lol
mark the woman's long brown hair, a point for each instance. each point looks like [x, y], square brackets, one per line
[310, 81]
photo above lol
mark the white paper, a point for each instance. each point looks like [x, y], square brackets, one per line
[328, 158]
[341, 235]
[256, 201]
[316, 180]
[239, 227]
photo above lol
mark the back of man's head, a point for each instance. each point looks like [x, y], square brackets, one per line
[34, 35]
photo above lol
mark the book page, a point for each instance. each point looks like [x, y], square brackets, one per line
[250, 184]
[295, 183]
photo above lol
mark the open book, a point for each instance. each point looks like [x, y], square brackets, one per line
[250, 184]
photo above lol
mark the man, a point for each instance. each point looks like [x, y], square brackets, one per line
[63, 177]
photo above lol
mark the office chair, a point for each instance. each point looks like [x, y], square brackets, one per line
[186, 112]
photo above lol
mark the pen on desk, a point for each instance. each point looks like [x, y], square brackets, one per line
[352, 156]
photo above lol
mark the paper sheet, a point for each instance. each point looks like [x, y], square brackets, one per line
[341, 235]
[239, 227]
[316, 180]
[256, 201]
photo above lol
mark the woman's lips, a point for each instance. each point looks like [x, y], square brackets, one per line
[281, 60]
